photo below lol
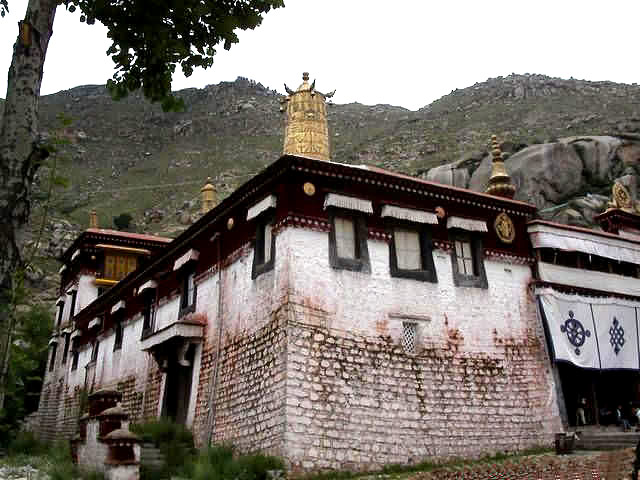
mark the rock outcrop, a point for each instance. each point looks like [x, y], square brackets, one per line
[569, 180]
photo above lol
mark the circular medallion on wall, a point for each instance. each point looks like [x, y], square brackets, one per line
[309, 188]
[504, 228]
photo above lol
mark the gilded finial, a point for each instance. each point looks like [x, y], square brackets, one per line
[499, 182]
[93, 219]
[306, 131]
[208, 196]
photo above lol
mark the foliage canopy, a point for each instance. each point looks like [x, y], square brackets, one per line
[151, 37]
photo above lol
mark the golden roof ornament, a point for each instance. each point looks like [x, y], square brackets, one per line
[93, 219]
[621, 199]
[499, 182]
[208, 196]
[306, 132]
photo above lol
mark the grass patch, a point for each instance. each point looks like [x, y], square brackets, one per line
[398, 471]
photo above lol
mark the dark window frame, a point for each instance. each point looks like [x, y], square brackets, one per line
[75, 354]
[119, 335]
[74, 296]
[52, 359]
[260, 264]
[65, 351]
[60, 313]
[362, 261]
[479, 279]
[185, 305]
[149, 312]
[428, 271]
[94, 351]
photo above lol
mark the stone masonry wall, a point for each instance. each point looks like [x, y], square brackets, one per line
[360, 402]
[250, 397]
[479, 380]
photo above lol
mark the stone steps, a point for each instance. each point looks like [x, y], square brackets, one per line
[607, 441]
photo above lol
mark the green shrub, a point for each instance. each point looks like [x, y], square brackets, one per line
[219, 463]
[174, 441]
[26, 443]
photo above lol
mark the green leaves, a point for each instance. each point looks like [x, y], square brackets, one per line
[152, 37]
[4, 7]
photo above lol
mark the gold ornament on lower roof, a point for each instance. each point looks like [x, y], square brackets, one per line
[504, 228]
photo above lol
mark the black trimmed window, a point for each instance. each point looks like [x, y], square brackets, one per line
[52, 360]
[264, 251]
[94, 351]
[119, 334]
[468, 260]
[60, 313]
[410, 253]
[148, 312]
[65, 351]
[188, 291]
[348, 242]
[75, 354]
[72, 310]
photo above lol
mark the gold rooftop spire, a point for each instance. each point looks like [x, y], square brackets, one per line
[306, 132]
[499, 182]
[93, 219]
[208, 196]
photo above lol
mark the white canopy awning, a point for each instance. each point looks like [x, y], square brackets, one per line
[148, 285]
[262, 206]
[118, 306]
[191, 255]
[469, 224]
[548, 236]
[95, 323]
[60, 301]
[75, 255]
[348, 203]
[53, 340]
[409, 214]
[578, 277]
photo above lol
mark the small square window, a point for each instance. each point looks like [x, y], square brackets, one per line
[410, 253]
[188, 293]
[264, 247]
[409, 336]
[468, 260]
[348, 248]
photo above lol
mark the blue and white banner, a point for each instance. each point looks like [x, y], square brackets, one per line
[596, 333]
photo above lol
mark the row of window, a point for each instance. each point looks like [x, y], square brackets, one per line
[409, 257]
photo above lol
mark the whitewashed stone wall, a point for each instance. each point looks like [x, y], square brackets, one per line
[479, 382]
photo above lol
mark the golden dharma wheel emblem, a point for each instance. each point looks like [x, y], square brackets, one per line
[504, 228]
[230, 224]
[621, 195]
[309, 188]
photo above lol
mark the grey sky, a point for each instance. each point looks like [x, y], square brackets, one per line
[402, 52]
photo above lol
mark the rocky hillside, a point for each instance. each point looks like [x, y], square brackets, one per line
[568, 139]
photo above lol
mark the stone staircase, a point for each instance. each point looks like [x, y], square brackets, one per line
[605, 438]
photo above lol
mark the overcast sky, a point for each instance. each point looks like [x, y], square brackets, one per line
[399, 52]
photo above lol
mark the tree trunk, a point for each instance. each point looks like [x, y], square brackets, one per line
[20, 156]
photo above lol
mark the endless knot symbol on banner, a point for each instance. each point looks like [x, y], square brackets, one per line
[576, 333]
[617, 336]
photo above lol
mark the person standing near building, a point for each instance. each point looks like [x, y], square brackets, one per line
[581, 418]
